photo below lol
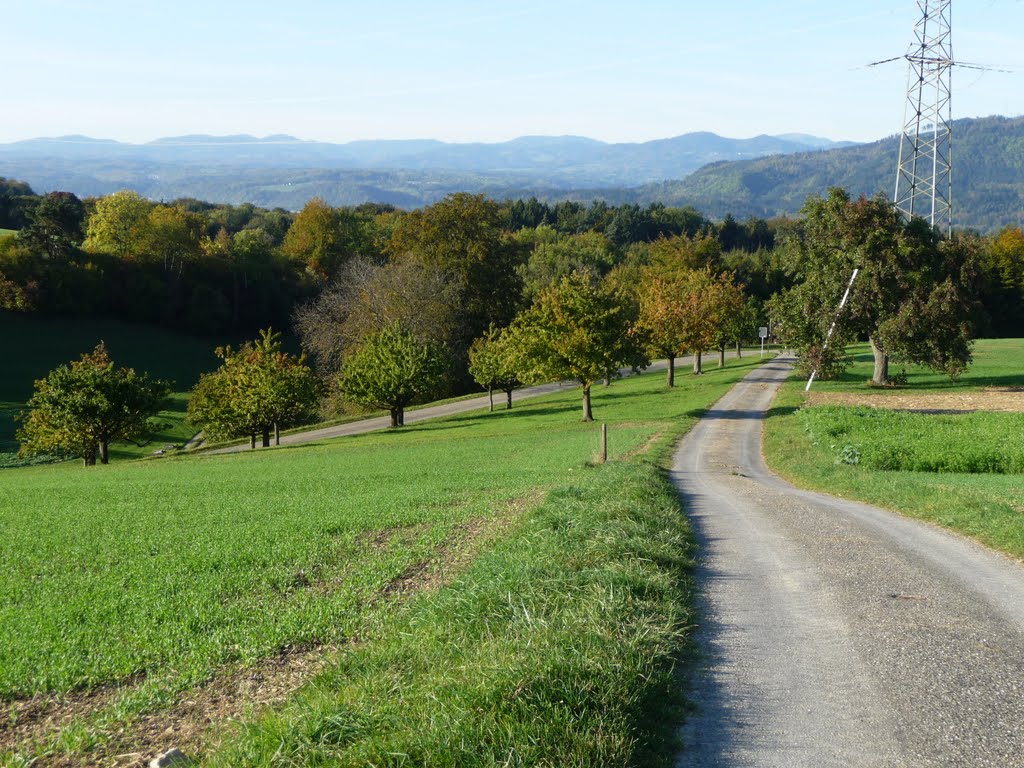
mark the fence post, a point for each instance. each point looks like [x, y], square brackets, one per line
[604, 443]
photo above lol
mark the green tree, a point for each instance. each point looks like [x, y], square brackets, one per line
[118, 224]
[576, 329]
[914, 298]
[392, 369]
[82, 407]
[491, 365]
[55, 229]
[258, 388]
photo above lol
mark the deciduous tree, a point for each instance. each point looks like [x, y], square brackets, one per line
[258, 388]
[82, 407]
[576, 329]
[915, 296]
[392, 369]
[492, 365]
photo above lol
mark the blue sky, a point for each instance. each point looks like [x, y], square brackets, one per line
[476, 71]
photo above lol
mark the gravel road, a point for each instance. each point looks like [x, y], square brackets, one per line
[834, 633]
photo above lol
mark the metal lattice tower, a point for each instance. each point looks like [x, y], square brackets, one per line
[924, 177]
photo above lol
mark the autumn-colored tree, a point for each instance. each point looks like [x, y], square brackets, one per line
[463, 236]
[323, 238]
[392, 369]
[258, 388]
[492, 366]
[661, 323]
[576, 329]
[80, 408]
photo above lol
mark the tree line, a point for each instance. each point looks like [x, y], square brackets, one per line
[394, 307]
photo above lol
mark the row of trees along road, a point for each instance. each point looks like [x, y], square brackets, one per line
[449, 289]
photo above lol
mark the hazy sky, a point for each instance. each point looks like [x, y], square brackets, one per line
[136, 70]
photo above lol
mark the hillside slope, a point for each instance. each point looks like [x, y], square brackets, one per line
[988, 178]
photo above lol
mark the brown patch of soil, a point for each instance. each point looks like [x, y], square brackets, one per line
[196, 722]
[1005, 399]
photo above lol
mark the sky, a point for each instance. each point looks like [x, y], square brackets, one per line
[137, 70]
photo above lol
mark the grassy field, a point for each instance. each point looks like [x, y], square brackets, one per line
[490, 594]
[7, 231]
[959, 470]
[35, 345]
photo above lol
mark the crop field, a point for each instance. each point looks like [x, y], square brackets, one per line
[35, 345]
[476, 585]
[932, 449]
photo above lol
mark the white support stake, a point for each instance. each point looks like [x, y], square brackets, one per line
[833, 326]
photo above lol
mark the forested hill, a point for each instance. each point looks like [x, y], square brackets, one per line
[285, 171]
[988, 177]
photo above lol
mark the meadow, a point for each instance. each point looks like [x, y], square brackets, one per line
[481, 588]
[959, 470]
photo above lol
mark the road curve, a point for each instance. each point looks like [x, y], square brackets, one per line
[833, 633]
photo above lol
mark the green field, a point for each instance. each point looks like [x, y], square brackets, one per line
[7, 231]
[34, 345]
[160, 576]
[959, 470]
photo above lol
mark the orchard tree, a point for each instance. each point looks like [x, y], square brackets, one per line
[914, 298]
[81, 408]
[661, 324]
[392, 369]
[258, 388]
[492, 366]
[576, 329]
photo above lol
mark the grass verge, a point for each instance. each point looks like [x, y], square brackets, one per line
[133, 587]
[950, 469]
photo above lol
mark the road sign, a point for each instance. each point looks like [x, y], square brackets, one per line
[762, 332]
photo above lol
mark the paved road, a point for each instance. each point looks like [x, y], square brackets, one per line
[462, 406]
[834, 633]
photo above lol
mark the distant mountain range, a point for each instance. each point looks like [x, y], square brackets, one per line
[764, 176]
[283, 170]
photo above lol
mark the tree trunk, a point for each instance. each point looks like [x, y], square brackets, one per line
[721, 355]
[252, 442]
[104, 452]
[401, 416]
[394, 416]
[671, 378]
[697, 363]
[588, 414]
[266, 437]
[277, 433]
[508, 403]
[739, 349]
[490, 397]
[881, 375]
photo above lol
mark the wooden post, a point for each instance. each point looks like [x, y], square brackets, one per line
[604, 443]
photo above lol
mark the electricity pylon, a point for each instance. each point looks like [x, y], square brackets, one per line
[924, 174]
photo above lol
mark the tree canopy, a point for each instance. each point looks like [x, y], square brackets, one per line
[258, 388]
[576, 329]
[80, 408]
[915, 298]
[392, 369]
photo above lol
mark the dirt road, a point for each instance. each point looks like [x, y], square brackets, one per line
[834, 633]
